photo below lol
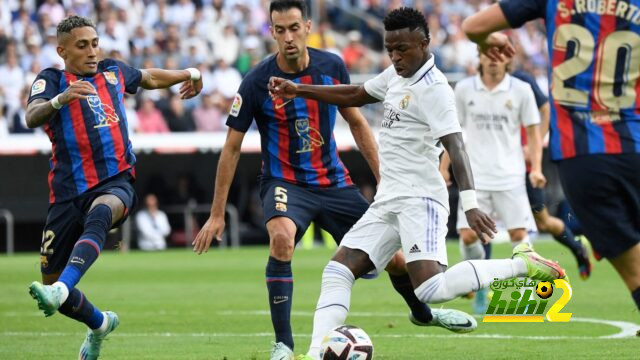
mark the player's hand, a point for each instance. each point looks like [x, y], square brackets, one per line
[214, 227]
[190, 88]
[77, 90]
[482, 224]
[497, 47]
[537, 179]
[282, 88]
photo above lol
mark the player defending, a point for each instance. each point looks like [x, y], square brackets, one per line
[410, 207]
[595, 115]
[303, 179]
[92, 165]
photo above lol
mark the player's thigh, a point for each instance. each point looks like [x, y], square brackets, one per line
[627, 265]
[604, 193]
[423, 228]
[282, 199]
[341, 209]
[375, 235]
[117, 193]
[484, 203]
[512, 207]
[62, 229]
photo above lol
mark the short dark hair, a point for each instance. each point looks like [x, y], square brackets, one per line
[284, 5]
[404, 17]
[74, 21]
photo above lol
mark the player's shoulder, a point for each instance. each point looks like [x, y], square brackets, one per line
[519, 85]
[109, 63]
[466, 83]
[51, 73]
[323, 56]
[263, 70]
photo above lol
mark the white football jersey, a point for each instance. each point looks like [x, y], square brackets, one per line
[491, 122]
[418, 111]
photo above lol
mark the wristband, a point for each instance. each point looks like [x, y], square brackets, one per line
[55, 103]
[468, 200]
[195, 73]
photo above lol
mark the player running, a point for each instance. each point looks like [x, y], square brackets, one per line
[595, 114]
[303, 179]
[410, 208]
[92, 166]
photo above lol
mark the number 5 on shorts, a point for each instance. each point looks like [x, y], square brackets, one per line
[280, 194]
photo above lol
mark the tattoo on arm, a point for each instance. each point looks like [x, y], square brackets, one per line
[39, 111]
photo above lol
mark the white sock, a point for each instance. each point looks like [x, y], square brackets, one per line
[333, 303]
[473, 251]
[103, 326]
[63, 289]
[468, 276]
[524, 240]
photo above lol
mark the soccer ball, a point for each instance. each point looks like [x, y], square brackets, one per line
[346, 342]
[544, 289]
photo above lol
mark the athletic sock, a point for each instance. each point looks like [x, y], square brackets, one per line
[473, 251]
[88, 247]
[280, 287]
[78, 307]
[403, 286]
[567, 239]
[636, 297]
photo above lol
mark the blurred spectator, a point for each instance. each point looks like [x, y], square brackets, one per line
[4, 124]
[50, 57]
[11, 82]
[18, 125]
[153, 225]
[226, 46]
[226, 79]
[178, 118]
[354, 51]
[150, 119]
[53, 9]
[211, 114]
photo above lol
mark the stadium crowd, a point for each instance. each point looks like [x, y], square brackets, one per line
[225, 38]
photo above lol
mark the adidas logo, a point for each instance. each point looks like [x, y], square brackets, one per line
[414, 249]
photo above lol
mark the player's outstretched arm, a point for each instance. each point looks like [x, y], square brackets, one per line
[480, 222]
[39, 111]
[159, 79]
[481, 28]
[364, 138]
[534, 143]
[214, 227]
[341, 95]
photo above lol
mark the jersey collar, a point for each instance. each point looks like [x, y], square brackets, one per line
[424, 70]
[505, 84]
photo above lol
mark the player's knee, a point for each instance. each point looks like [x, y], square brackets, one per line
[113, 202]
[282, 245]
[468, 236]
[397, 265]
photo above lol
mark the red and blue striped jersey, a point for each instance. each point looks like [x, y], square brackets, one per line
[297, 139]
[594, 50]
[90, 141]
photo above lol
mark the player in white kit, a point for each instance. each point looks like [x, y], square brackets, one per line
[492, 108]
[410, 207]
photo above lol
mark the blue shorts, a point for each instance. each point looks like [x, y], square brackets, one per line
[333, 209]
[536, 196]
[604, 193]
[65, 220]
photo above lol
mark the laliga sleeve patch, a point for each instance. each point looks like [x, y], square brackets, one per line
[237, 104]
[38, 87]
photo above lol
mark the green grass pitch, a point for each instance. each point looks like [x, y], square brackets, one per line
[177, 305]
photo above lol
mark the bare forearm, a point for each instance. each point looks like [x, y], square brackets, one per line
[459, 160]
[341, 95]
[363, 136]
[544, 119]
[224, 177]
[160, 78]
[535, 147]
[39, 112]
[479, 25]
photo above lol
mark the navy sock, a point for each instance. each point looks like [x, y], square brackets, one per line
[567, 239]
[280, 287]
[88, 247]
[487, 250]
[636, 296]
[420, 310]
[78, 307]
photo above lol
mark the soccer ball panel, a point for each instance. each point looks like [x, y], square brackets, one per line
[346, 342]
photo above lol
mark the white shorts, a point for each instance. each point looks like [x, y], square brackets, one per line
[511, 207]
[416, 225]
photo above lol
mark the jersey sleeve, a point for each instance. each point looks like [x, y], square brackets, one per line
[519, 12]
[132, 77]
[345, 79]
[529, 114]
[439, 108]
[241, 113]
[377, 87]
[45, 86]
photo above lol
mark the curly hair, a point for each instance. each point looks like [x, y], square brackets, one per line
[73, 22]
[405, 17]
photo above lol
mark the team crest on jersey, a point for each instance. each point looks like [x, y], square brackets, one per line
[509, 104]
[38, 87]
[104, 114]
[281, 207]
[309, 136]
[404, 103]
[111, 77]
[236, 106]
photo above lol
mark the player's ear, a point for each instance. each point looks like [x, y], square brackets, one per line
[308, 26]
[273, 32]
[62, 52]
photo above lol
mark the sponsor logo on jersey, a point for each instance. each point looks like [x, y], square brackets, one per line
[414, 249]
[309, 136]
[104, 114]
[390, 116]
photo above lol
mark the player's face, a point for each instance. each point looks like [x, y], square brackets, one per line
[407, 49]
[493, 68]
[290, 31]
[79, 49]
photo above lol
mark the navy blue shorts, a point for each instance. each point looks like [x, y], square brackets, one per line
[333, 209]
[536, 196]
[65, 220]
[604, 193]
